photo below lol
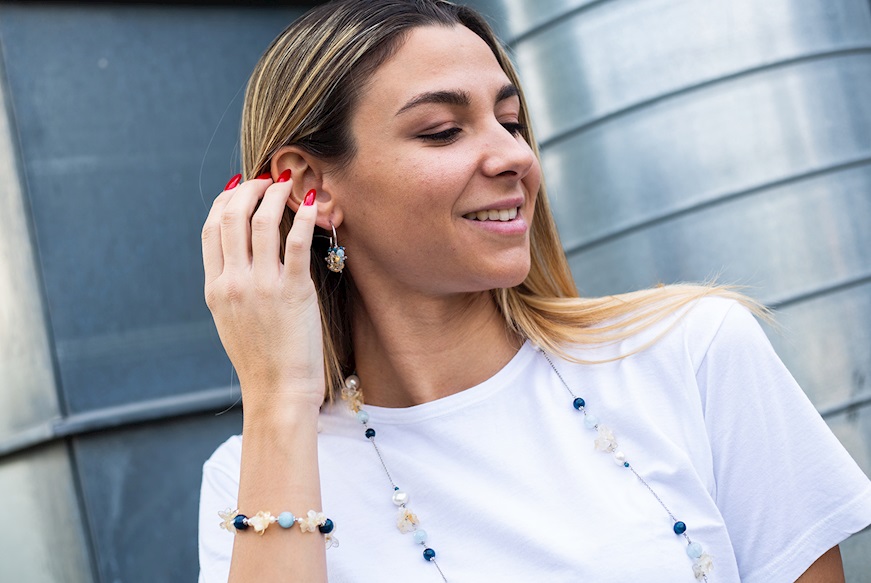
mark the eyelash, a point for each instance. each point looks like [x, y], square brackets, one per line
[451, 134]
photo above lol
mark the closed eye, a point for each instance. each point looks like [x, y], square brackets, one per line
[514, 128]
[446, 136]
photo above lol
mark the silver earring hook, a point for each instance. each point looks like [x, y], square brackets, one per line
[334, 240]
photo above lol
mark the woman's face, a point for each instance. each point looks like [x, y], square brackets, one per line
[439, 167]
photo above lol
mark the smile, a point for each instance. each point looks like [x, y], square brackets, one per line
[493, 215]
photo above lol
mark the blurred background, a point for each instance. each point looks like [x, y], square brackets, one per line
[681, 140]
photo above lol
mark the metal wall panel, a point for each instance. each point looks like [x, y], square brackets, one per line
[141, 487]
[125, 120]
[47, 543]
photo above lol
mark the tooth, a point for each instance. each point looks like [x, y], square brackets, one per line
[472, 216]
[482, 215]
[504, 215]
[493, 215]
[512, 213]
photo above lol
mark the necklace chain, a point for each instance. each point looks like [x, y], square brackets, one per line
[407, 521]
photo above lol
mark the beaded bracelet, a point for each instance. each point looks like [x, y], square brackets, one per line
[232, 521]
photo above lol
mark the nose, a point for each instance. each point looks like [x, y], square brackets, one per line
[506, 154]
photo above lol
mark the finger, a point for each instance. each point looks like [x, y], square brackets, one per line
[297, 250]
[213, 254]
[236, 223]
[265, 235]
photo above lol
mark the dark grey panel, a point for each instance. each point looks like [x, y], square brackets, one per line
[710, 144]
[857, 560]
[116, 106]
[626, 52]
[784, 242]
[826, 344]
[45, 543]
[141, 488]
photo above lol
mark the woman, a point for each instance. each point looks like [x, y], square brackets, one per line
[466, 434]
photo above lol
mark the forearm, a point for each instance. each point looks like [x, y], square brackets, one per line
[279, 472]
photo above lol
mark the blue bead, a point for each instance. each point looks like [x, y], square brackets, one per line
[362, 416]
[694, 550]
[420, 536]
[327, 526]
[428, 554]
[370, 433]
[578, 403]
[679, 527]
[286, 519]
[239, 522]
[625, 464]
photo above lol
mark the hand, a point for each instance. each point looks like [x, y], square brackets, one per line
[266, 312]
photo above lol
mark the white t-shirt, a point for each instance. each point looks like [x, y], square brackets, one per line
[506, 481]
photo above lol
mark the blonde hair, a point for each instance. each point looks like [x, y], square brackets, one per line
[303, 91]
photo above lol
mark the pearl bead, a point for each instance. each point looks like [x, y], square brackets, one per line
[679, 527]
[420, 536]
[352, 382]
[400, 498]
[694, 550]
[362, 416]
[619, 458]
[590, 421]
[286, 519]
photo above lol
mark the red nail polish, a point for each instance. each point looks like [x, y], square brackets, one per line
[234, 182]
[264, 176]
[285, 176]
[310, 197]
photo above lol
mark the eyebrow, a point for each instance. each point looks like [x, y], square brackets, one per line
[455, 97]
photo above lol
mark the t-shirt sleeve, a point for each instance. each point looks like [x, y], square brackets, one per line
[219, 491]
[786, 487]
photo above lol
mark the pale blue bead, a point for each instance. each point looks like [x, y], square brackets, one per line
[590, 421]
[420, 536]
[694, 550]
[362, 416]
[286, 519]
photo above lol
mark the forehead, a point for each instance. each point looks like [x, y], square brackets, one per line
[434, 58]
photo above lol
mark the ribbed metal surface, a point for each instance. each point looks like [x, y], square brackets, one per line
[732, 138]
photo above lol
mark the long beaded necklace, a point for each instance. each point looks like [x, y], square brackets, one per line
[408, 522]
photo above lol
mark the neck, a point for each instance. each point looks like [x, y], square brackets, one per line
[413, 352]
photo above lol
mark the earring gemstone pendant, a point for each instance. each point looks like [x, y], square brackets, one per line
[336, 259]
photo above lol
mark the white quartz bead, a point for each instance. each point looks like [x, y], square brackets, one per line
[400, 498]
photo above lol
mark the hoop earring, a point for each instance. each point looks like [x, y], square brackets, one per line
[335, 254]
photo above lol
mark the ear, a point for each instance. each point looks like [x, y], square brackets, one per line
[307, 173]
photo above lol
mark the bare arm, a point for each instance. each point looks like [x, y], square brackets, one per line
[267, 316]
[827, 569]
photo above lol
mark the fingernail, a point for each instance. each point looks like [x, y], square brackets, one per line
[309, 197]
[234, 182]
[285, 176]
[264, 176]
